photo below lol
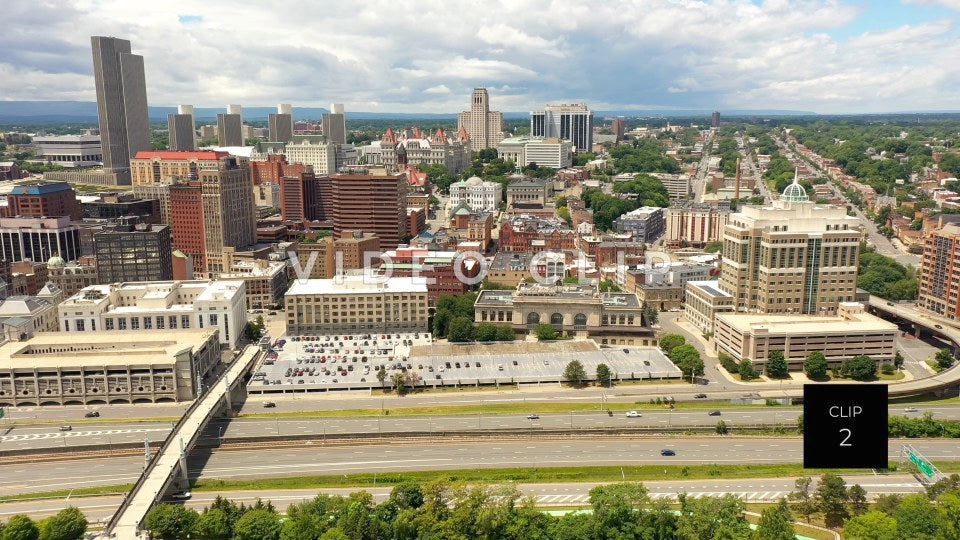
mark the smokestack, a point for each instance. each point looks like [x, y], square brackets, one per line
[736, 193]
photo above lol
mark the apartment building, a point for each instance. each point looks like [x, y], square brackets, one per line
[939, 282]
[371, 203]
[356, 304]
[317, 151]
[695, 225]
[646, 223]
[158, 305]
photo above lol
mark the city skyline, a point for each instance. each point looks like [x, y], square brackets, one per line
[826, 57]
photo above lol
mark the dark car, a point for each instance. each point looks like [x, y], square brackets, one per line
[667, 452]
[700, 396]
[269, 405]
[533, 416]
[714, 413]
[92, 414]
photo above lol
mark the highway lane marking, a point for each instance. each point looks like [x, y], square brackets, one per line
[72, 434]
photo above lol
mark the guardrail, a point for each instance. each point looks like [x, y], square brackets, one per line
[167, 442]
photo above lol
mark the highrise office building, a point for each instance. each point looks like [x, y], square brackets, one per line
[281, 123]
[121, 103]
[130, 251]
[335, 124]
[230, 126]
[484, 127]
[181, 130]
[715, 119]
[938, 272]
[573, 123]
[618, 126]
[372, 203]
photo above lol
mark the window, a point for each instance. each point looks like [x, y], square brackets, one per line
[108, 324]
[579, 319]
[185, 321]
[148, 323]
[66, 325]
[173, 321]
[213, 319]
[134, 323]
[122, 323]
[556, 319]
[533, 318]
[160, 322]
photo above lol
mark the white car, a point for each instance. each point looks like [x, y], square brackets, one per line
[910, 409]
[633, 414]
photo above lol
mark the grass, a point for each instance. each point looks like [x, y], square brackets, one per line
[507, 387]
[925, 400]
[119, 489]
[934, 365]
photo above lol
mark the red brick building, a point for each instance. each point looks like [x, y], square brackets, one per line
[437, 267]
[186, 223]
[371, 203]
[529, 233]
[44, 199]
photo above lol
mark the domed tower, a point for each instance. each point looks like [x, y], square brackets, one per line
[794, 193]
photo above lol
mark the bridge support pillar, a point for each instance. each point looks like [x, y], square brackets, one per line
[181, 481]
[916, 330]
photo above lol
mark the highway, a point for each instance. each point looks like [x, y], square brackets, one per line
[303, 459]
[566, 494]
[40, 437]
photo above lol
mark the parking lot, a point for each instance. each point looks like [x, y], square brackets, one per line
[351, 362]
[334, 361]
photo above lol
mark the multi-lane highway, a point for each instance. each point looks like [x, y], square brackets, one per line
[48, 436]
[565, 494]
[319, 459]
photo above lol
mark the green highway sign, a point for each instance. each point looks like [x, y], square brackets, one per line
[1, 412]
[922, 464]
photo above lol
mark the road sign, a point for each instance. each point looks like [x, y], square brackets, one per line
[925, 466]
[1, 412]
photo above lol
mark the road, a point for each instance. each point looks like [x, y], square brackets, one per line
[396, 456]
[566, 494]
[40, 437]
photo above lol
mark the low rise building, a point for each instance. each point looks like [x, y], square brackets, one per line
[444, 272]
[69, 150]
[266, 281]
[528, 193]
[550, 152]
[580, 310]
[695, 224]
[530, 233]
[703, 300]
[23, 316]
[99, 368]
[479, 195]
[357, 303]
[851, 332]
[646, 223]
[158, 305]
[70, 277]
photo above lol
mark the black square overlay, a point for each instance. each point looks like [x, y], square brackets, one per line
[845, 426]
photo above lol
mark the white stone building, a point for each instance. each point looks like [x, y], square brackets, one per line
[158, 305]
[479, 195]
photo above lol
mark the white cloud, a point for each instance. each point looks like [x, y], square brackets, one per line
[393, 55]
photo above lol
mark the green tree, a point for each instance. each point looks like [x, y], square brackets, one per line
[608, 285]
[857, 496]
[300, 527]
[669, 341]
[357, 520]
[603, 375]
[746, 370]
[615, 507]
[381, 375]
[831, 499]
[687, 358]
[335, 533]
[504, 332]
[461, 330]
[887, 502]
[721, 428]
[171, 521]
[860, 367]
[898, 360]
[816, 365]
[545, 332]
[214, 524]
[713, 247]
[650, 314]
[917, 518]
[949, 508]
[20, 527]
[803, 503]
[712, 517]
[777, 365]
[574, 372]
[776, 523]
[873, 525]
[486, 331]
[258, 524]
[67, 524]
[944, 358]
[564, 213]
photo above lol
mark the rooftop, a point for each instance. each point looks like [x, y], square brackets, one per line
[166, 154]
[118, 348]
[40, 188]
[357, 285]
[821, 324]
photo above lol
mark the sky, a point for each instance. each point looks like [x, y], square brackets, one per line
[417, 56]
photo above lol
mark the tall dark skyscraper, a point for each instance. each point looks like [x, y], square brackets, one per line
[715, 119]
[281, 124]
[181, 130]
[230, 127]
[121, 103]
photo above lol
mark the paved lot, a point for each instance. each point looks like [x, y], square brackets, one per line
[341, 361]
[344, 361]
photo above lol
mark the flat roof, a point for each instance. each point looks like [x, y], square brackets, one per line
[710, 287]
[788, 324]
[103, 348]
[356, 285]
